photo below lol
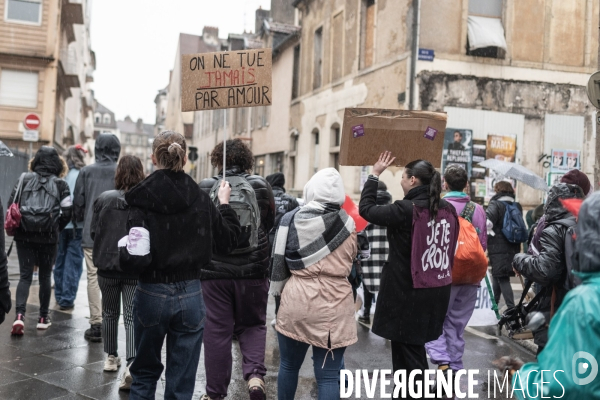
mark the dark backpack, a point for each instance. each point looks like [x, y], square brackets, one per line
[40, 204]
[571, 280]
[514, 228]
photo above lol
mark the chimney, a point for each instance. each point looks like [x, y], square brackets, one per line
[210, 35]
[261, 15]
[140, 124]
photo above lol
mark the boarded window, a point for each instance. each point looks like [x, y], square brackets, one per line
[296, 73]
[318, 58]
[18, 88]
[368, 33]
[337, 46]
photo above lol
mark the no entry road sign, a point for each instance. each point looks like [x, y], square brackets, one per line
[32, 121]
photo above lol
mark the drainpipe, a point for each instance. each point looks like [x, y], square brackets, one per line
[597, 163]
[414, 53]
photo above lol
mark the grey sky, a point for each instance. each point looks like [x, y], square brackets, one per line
[135, 43]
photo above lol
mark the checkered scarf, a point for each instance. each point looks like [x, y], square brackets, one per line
[371, 267]
[304, 237]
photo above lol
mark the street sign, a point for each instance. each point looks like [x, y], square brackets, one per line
[30, 135]
[426, 54]
[32, 122]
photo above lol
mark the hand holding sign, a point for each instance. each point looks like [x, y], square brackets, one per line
[385, 160]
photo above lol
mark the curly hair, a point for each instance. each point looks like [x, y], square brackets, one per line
[129, 173]
[238, 153]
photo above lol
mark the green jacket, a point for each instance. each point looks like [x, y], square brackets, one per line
[575, 328]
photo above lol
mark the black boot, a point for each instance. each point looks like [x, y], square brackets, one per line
[94, 334]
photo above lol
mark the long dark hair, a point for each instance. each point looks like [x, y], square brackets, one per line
[427, 175]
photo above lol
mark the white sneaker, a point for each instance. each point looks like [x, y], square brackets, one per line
[112, 363]
[274, 322]
[126, 380]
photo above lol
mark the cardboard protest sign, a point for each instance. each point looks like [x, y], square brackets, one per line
[227, 79]
[457, 148]
[409, 135]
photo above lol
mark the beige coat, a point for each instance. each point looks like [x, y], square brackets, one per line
[317, 302]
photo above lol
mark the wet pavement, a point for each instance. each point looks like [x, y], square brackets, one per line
[60, 364]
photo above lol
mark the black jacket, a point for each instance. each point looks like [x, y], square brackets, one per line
[109, 224]
[5, 301]
[256, 264]
[500, 251]
[549, 268]
[47, 163]
[184, 225]
[284, 203]
[403, 313]
[93, 180]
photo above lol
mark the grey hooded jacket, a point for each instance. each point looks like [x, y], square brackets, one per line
[92, 181]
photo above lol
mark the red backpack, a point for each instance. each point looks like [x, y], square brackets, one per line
[470, 262]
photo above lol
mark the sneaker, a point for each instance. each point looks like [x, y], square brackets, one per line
[18, 326]
[64, 308]
[35, 277]
[126, 380]
[274, 322]
[364, 319]
[112, 363]
[205, 397]
[256, 389]
[94, 334]
[44, 322]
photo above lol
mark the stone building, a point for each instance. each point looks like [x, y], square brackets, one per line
[136, 139]
[46, 67]
[528, 81]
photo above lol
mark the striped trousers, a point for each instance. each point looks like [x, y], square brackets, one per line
[112, 291]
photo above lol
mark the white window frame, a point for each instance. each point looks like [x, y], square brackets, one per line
[37, 95]
[20, 21]
[105, 117]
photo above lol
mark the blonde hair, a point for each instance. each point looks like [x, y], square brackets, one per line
[169, 148]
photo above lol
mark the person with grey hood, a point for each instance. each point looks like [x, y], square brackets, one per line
[548, 266]
[92, 181]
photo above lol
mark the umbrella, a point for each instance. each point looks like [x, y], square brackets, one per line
[4, 150]
[516, 171]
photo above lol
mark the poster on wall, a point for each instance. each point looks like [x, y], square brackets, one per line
[503, 148]
[565, 160]
[457, 148]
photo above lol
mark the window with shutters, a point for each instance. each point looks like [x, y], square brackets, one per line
[334, 146]
[337, 47]
[18, 88]
[367, 37]
[24, 11]
[318, 58]
[296, 73]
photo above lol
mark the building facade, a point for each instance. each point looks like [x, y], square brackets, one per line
[136, 140]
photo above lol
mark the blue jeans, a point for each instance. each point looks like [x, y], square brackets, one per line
[68, 267]
[292, 354]
[175, 310]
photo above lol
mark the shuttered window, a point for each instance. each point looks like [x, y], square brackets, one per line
[337, 46]
[24, 11]
[18, 88]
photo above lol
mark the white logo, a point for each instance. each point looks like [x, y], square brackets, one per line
[581, 368]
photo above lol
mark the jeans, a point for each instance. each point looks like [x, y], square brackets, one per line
[234, 306]
[30, 255]
[292, 354]
[68, 267]
[501, 286]
[113, 289]
[175, 310]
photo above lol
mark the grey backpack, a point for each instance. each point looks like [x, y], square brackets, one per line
[40, 204]
[243, 202]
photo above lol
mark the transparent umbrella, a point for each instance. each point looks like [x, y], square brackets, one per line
[4, 150]
[516, 171]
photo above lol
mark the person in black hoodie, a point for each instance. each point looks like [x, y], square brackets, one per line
[236, 287]
[549, 267]
[109, 224]
[284, 203]
[5, 301]
[40, 247]
[173, 229]
[93, 180]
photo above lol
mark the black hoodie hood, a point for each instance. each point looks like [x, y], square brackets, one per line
[587, 243]
[383, 198]
[276, 180]
[107, 148]
[47, 162]
[554, 210]
[164, 192]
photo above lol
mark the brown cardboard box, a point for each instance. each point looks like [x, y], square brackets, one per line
[409, 135]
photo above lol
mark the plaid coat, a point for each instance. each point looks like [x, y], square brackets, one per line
[371, 268]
